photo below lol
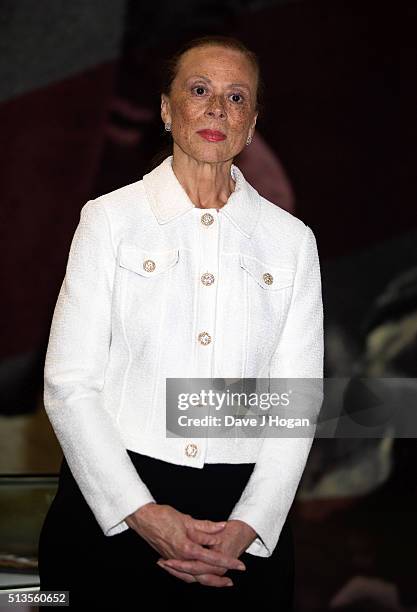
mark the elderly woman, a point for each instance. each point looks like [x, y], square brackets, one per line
[188, 273]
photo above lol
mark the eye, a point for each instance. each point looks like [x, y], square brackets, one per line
[198, 87]
[241, 98]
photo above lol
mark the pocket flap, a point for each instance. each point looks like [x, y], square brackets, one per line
[147, 262]
[270, 277]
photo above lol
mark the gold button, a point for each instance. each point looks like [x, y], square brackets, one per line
[207, 278]
[191, 449]
[268, 278]
[149, 265]
[204, 338]
[207, 219]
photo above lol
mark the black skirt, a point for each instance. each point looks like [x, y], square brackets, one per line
[75, 555]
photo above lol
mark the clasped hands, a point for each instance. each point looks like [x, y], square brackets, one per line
[182, 540]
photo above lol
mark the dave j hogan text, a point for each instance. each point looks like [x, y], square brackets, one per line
[264, 420]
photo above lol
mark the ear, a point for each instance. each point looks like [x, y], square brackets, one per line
[254, 122]
[165, 109]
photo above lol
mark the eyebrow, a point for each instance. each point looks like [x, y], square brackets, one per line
[200, 76]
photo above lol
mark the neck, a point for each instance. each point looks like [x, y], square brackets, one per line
[207, 184]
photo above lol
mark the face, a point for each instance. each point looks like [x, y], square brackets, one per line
[214, 89]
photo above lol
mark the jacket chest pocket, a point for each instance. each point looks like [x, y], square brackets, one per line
[145, 276]
[268, 289]
[269, 277]
[147, 263]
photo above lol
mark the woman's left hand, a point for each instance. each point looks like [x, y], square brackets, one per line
[234, 539]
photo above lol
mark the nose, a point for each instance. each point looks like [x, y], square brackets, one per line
[216, 108]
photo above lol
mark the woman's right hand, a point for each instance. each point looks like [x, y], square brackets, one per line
[167, 531]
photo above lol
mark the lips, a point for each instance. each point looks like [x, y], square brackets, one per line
[212, 135]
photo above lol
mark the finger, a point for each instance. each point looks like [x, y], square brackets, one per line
[207, 579]
[206, 525]
[211, 556]
[200, 537]
[194, 567]
[214, 581]
[181, 575]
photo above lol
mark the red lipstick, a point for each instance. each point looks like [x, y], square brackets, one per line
[212, 135]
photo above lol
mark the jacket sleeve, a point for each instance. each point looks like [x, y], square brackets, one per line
[74, 376]
[271, 488]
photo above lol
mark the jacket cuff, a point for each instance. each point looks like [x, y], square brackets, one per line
[111, 528]
[114, 524]
[267, 534]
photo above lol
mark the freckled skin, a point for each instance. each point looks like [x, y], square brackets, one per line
[202, 97]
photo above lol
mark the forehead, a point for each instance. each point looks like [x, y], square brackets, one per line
[216, 63]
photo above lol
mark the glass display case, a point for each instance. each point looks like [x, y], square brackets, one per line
[24, 502]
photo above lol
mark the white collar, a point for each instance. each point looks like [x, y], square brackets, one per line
[169, 200]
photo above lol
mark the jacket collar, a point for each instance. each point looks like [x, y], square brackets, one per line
[169, 200]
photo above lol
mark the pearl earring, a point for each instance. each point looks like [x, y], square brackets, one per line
[249, 140]
[167, 127]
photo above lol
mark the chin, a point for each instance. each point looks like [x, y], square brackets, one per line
[210, 154]
[207, 152]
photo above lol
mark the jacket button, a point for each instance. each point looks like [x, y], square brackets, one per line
[204, 338]
[268, 278]
[191, 449]
[207, 219]
[207, 278]
[149, 265]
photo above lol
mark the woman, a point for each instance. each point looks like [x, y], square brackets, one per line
[188, 273]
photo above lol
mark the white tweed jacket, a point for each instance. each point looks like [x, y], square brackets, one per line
[134, 308]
